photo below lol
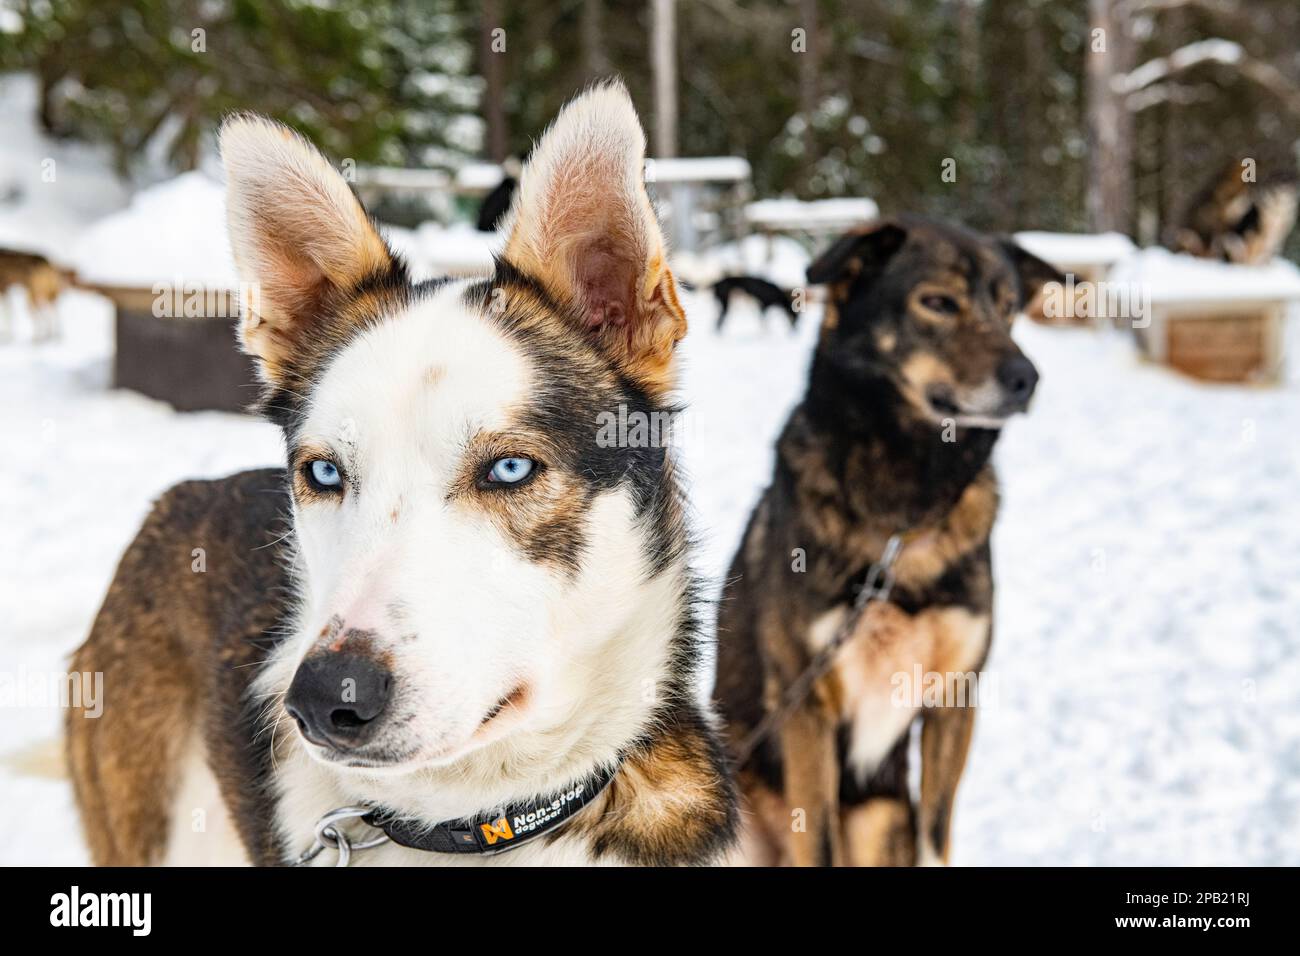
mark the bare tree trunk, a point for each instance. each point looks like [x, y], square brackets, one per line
[493, 62]
[1027, 199]
[810, 69]
[663, 63]
[593, 39]
[968, 61]
[1110, 124]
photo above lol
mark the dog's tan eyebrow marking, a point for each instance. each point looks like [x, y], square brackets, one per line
[485, 445]
[306, 451]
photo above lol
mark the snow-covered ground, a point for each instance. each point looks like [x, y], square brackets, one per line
[1148, 566]
[1148, 553]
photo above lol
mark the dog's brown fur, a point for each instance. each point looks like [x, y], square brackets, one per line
[860, 460]
[178, 646]
[41, 281]
[1237, 217]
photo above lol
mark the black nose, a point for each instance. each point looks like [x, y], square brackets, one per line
[1018, 376]
[337, 698]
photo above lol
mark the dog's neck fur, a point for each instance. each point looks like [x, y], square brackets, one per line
[894, 467]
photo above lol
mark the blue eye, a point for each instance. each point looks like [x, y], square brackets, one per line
[510, 471]
[325, 474]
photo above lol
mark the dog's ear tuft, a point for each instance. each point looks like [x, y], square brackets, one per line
[1032, 271]
[297, 232]
[866, 249]
[582, 224]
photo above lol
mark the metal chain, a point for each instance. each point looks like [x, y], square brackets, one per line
[330, 835]
[875, 587]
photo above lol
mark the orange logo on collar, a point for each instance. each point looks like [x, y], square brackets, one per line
[497, 831]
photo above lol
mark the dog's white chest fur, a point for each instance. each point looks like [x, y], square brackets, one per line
[883, 669]
[202, 832]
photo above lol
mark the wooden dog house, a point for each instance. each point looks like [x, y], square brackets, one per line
[165, 264]
[1086, 259]
[1212, 320]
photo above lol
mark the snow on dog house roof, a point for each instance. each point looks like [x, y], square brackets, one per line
[797, 214]
[479, 178]
[1075, 251]
[175, 232]
[1181, 279]
[697, 169]
[433, 250]
[172, 232]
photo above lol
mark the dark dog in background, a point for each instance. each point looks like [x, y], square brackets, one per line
[492, 210]
[1234, 218]
[766, 294]
[914, 374]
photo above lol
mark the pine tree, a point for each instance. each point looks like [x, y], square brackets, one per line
[370, 81]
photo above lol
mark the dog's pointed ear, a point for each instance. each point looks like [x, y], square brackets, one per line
[1032, 272]
[298, 235]
[863, 250]
[582, 224]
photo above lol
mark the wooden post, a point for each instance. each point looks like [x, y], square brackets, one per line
[663, 63]
[593, 39]
[1110, 124]
[493, 63]
[809, 79]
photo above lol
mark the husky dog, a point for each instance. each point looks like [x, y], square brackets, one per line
[455, 613]
[914, 375]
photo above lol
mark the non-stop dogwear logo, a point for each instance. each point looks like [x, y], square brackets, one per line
[500, 830]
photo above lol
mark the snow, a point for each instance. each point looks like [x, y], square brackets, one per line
[479, 177]
[1176, 277]
[1147, 560]
[698, 169]
[48, 189]
[1069, 249]
[402, 179]
[1215, 50]
[1147, 556]
[174, 231]
[778, 259]
[458, 249]
[86, 462]
[798, 214]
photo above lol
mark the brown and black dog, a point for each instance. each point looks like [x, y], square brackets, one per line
[1238, 218]
[914, 374]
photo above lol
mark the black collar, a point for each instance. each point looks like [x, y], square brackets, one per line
[498, 830]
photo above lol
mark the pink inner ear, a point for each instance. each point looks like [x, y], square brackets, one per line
[608, 285]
